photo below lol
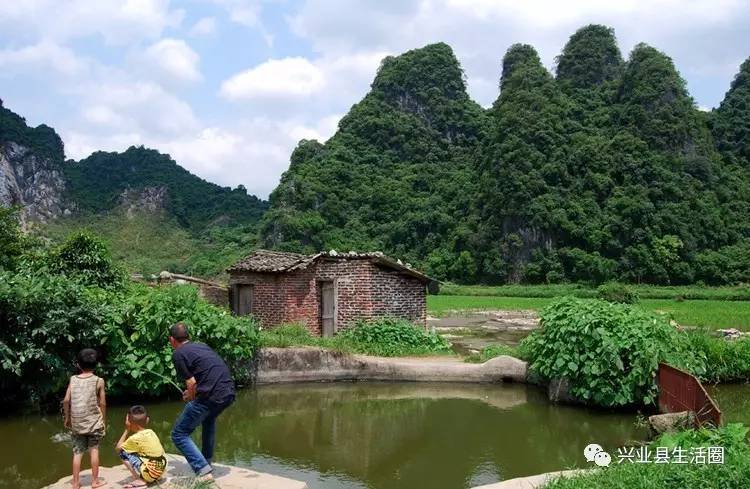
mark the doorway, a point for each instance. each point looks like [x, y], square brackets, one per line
[328, 308]
[244, 298]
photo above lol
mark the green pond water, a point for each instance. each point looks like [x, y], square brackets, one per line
[367, 435]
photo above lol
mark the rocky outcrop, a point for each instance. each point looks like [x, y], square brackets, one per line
[35, 184]
[145, 200]
[278, 365]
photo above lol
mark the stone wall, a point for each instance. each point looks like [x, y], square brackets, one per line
[363, 291]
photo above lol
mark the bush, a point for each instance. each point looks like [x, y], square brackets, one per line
[616, 292]
[45, 319]
[86, 258]
[48, 318]
[610, 352]
[135, 337]
[390, 337]
[386, 337]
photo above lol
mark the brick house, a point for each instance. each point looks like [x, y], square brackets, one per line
[328, 291]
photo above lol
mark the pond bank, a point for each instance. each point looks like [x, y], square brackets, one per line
[309, 364]
[179, 476]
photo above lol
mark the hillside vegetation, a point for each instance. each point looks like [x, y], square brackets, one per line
[606, 170]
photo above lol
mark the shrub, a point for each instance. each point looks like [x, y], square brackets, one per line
[610, 352]
[48, 318]
[135, 337]
[616, 292]
[389, 337]
[85, 257]
[45, 319]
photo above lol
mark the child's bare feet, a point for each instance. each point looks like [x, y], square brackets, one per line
[99, 482]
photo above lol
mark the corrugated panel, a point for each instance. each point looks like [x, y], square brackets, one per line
[680, 391]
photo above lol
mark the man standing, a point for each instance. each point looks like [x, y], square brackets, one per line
[210, 390]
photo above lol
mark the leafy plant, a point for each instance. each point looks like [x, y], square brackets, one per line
[386, 337]
[46, 318]
[610, 352]
[390, 337]
[135, 336]
[84, 257]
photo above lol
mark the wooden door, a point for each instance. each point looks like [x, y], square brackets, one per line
[244, 300]
[328, 308]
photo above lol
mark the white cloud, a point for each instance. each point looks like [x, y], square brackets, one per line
[40, 58]
[699, 35]
[117, 21]
[246, 12]
[174, 59]
[203, 27]
[296, 77]
[128, 106]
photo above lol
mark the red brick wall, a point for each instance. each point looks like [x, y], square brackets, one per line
[364, 291]
[399, 296]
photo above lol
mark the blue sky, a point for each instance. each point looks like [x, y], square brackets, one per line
[228, 87]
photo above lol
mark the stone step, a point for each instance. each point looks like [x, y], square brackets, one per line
[179, 476]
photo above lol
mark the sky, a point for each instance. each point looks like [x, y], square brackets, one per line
[229, 87]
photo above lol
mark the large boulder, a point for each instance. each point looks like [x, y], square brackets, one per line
[670, 422]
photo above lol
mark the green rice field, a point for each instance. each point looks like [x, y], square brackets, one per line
[714, 314]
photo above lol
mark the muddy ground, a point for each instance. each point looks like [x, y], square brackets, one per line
[471, 332]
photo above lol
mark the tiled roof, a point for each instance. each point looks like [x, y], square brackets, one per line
[279, 261]
[267, 261]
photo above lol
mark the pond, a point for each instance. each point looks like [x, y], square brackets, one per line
[359, 435]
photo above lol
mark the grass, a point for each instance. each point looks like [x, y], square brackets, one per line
[149, 243]
[714, 314]
[491, 352]
[733, 473]
[690, 292]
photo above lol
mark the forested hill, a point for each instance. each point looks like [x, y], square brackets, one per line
[138, 178]
[146, 178]
[606, 170]
[154, 214]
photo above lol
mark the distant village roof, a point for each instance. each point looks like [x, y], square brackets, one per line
[280, 261]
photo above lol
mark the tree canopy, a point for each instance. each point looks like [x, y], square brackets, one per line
[605, 171]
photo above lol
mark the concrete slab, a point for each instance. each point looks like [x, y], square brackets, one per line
[308, 364]
[179, 474]
[530, 482]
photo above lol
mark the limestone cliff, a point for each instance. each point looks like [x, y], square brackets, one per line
[35, 183]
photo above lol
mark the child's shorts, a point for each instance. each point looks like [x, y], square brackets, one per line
[84, 443]
[133, 459]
